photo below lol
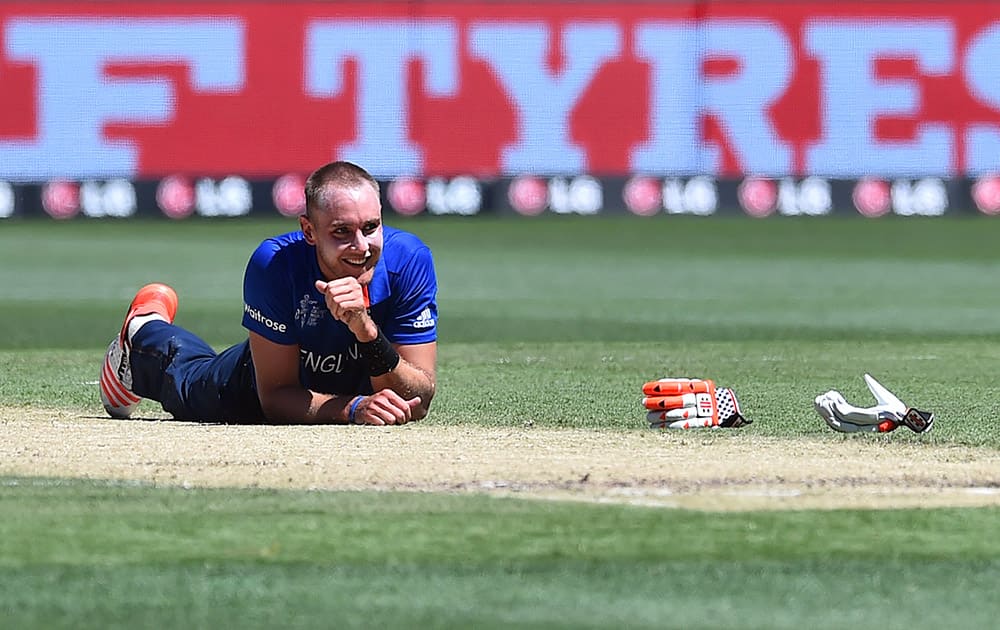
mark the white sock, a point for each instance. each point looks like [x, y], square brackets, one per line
[141, 320]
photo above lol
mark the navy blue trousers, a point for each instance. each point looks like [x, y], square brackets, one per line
[176, 368]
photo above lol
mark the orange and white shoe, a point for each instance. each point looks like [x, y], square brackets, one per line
[156, 300]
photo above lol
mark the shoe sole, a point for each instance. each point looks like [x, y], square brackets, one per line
[118, 401]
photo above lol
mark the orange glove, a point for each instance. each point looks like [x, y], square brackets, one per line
[689, 403]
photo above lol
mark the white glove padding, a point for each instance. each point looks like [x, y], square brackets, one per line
[846, 418]
[886, 416]
[689, 403]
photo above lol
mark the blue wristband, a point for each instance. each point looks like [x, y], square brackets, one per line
[353, 409]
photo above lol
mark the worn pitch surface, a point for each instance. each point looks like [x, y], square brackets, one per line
[697, 470]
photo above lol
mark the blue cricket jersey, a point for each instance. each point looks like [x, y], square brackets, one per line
[281, 303]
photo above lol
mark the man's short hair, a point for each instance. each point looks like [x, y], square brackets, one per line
[338, 174]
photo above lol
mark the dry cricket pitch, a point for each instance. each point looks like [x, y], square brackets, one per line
[692, 470]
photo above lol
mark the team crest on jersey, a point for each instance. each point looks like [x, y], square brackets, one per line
[308, 312]
[424, 319]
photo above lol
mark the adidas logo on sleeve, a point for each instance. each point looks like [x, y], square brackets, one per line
[424, 319]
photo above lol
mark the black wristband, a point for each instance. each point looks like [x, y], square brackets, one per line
[379, 354]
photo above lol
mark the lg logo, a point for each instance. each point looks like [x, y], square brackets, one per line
[646, 196]
[529, 195]
[762, 197]
[926, 197]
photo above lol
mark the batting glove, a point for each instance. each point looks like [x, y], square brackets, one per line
[690, 403]
[886, 416]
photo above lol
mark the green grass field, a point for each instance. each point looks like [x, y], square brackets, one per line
[553, 321]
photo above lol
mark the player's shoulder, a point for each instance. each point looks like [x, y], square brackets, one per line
[288, 244]
[283, 241]
[400, 246]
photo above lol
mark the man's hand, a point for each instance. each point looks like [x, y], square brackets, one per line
[385, 407]
[345, 298]
[413, 374]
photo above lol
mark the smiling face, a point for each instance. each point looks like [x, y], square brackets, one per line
[345, 226]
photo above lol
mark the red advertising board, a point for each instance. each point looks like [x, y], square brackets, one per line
[835, 89]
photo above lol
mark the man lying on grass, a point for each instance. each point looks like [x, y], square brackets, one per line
[341, 318]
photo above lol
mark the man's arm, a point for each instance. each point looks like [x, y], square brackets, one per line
[415, 372]
[284, 400]
[415, 375]
[282, 397]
